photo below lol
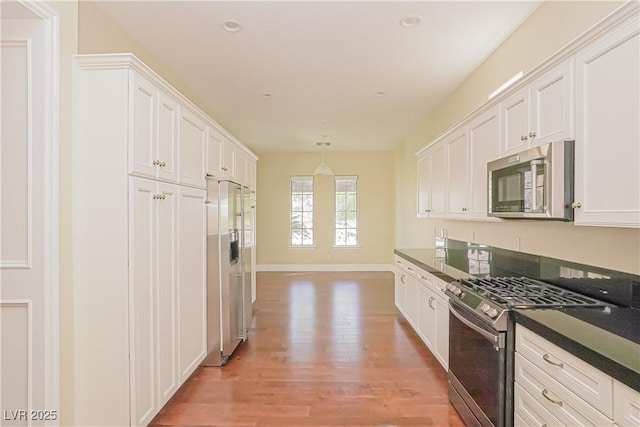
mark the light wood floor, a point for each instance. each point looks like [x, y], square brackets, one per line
[325, 349]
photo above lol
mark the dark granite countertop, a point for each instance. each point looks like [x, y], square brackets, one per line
[607, 339]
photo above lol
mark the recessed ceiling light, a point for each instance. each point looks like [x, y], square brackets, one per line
[411, 21]
[231, 26]
[267, 95]
[381, 93]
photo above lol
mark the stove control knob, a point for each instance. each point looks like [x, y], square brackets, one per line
[485, 308]
[457, 291]
[492, 312]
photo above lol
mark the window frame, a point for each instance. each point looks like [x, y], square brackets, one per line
[335, 213]
[291, 212]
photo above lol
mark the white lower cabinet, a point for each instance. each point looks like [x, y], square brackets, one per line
[419, 298]
[192, 271]
[166, 292]
[626, 405]
[556, 388]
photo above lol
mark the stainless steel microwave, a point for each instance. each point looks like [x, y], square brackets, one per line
[533, 184]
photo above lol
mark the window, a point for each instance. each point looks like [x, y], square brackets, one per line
[346, 211]
[302, 211]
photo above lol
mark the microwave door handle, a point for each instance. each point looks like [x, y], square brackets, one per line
[488, 335]
[534, 177]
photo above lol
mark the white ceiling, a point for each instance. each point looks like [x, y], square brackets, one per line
[323, 61]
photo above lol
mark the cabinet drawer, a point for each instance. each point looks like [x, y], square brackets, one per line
[589, 383]
[530, 412]
[562, 403]
[626, 405]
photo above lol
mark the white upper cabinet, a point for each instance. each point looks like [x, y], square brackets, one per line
[228, 160]
[193, 137]
[538, 113]
[552, 106]
[587, 92]
[142, 123]
[240, 167]
[483, 148]
[514, 115]
[168, 113]
[424, 173]
[457, 200]
[214, 152]
[607, 146]
[432, 179]
[154, 132]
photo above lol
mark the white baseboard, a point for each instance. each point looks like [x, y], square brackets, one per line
[324, 267]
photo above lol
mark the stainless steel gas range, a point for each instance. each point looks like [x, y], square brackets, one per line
[481, 338]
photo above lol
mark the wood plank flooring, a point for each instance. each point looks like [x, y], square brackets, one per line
[324, 350]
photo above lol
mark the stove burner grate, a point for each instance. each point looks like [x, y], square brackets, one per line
[523, 292]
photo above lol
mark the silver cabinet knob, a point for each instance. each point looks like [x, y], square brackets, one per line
[576, 205]
[156, 162]
[532, 134]
[162, 164]
[464, 209]
[524, 137]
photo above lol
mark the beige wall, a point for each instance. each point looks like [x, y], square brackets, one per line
[551, 27]
[68, 15]
[376, 209]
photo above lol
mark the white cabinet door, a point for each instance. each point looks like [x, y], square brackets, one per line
[167, 150]
[514, 122]
[424, 191]
[441, 330]
[607, 132]
[240, 168]
[214, 153]
[253, 171]
[142, 301]
[425, 325]
[143, 104]
[192, 295]
[167, 290]
[228, 160]
[626, 405]
[399, 289]
[411, 300]
[483, 148]
[192, 143]
[457, 178]
[438, 180]
[552, 106]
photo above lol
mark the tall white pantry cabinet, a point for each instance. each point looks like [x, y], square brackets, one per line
[139, 240]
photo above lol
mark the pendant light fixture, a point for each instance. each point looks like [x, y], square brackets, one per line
[323, 169]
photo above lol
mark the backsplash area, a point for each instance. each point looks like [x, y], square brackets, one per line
[482, 260]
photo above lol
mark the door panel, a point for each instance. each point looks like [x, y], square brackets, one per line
[192, 295]
[143, 110]
[27, 231]
[192, 143]
[168, 138]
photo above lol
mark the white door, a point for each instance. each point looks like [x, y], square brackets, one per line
[424, 192]
[29, 363]
[193, 137]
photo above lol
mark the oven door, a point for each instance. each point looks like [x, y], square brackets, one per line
[477, 367]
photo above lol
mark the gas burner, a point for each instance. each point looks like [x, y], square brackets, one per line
[523, 292]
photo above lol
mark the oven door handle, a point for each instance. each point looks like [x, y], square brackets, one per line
[495, 338]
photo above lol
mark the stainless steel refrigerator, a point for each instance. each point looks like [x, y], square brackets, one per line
[228, 291]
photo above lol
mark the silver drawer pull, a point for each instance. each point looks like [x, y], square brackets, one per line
[409, 268]
[545, 394]
[546, 359]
